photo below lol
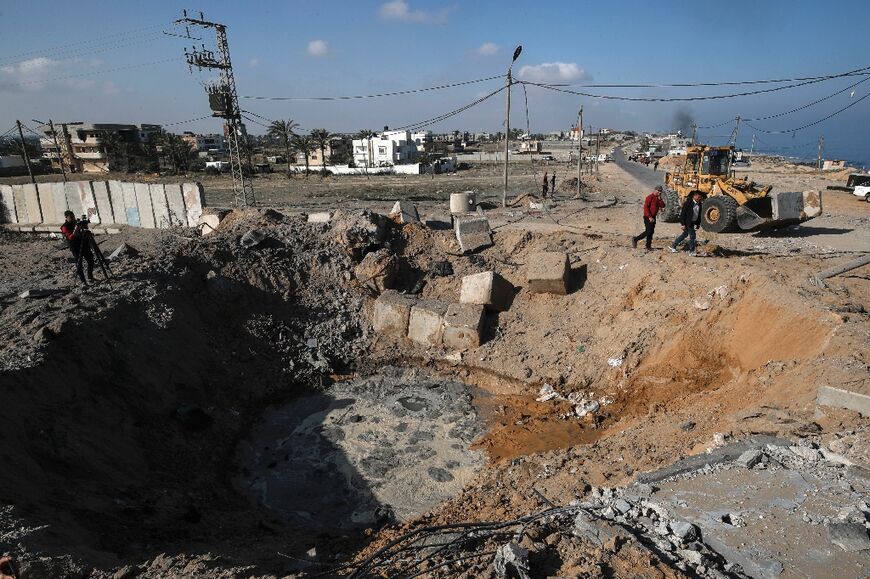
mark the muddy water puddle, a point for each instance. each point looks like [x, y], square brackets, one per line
[385, 447]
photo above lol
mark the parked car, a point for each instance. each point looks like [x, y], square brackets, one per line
[548, 158]
[862, 191]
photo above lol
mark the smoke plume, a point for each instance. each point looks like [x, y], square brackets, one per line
[683, 121]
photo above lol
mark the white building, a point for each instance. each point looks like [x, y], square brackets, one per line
[388, 148]
[678, 145]
[420, 139]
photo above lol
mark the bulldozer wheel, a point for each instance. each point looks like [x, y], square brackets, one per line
[719, 214]
[671, 212]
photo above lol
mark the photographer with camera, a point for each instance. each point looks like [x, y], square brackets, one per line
[75, 232]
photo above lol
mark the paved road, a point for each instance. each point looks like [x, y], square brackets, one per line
[644, 174]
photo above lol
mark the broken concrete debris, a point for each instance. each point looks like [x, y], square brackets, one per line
[462, 326]
[122, 250]
[512, 562]
[319, 217]
[488, 289]
[472, 233]
[392, 312]
[849, 536]
[377, 270]
[426, 322]
[359, 232]
[404, 212]
[547, 272]
[252, 238]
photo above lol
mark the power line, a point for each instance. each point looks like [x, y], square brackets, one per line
[445, 116]
[91, 73]
[102, 47]
[377, 95]
[100, 40]
[187, 121]
[808, 125]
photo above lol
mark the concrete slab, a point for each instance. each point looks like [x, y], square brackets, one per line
[391, 313]
[404, 212]
[7, 205]
[159, 204]
[426, 322]
[31, 200]
[131, 205]
[320, 217]
[193, 201]
[547, 272]
[73, 198]
[208, 223]
[175, 200]
[59, 201]
[488, 289]
[20, 204]
[838, 398]
[104, 203]
[89, 203]
[463, 324]
[146, 208]
[119, 206]
[473, 233]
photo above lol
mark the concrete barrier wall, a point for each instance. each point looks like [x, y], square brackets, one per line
[149, 205]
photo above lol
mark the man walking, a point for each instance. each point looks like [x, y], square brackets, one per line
[656, 166]
[651, 206]
[80, 249]
[553, 183]
[544, 186]
[690, 220]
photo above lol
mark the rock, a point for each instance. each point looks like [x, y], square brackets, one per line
[547, 272]
[511, 561]
[377, 270]
[125, 572]
[37, 293]
[209, 222]
[702, 303]
[685, 531]
[252, 238]
[441, 269]
[358, 232]
[122, 250]
[750, 458]
[806, 453]
[850, 537]
[404, 212]
[687, 426]
[472, 233]
[621, 506]
[488, 289]
[694, 558]
[319, 217]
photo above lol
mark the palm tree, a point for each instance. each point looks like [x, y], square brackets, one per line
[303, 144]
[321, 138]
[365, 135]
[283, 132]
[115, 150]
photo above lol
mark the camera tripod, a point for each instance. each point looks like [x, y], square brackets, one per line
[87, 239]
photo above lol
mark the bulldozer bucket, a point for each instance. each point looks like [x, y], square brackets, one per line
[785, 208]
[748, 219]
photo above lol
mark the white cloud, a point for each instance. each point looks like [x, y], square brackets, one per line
[111, 88]
[401, 10]
[30, 74]
[254, 63]
[487, 49]
[553, 72]
[318, 48]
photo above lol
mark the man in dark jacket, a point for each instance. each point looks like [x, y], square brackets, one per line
[690, 220]
[651, 206]
[78, 245]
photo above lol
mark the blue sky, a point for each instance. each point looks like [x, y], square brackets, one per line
[124, 70]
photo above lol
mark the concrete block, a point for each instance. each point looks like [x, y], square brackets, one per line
[193, 201]
[547, 272]
[426, 322]
[159, 204]
[131, 205]
[391, 313]
[73, 199]
[116, 196]
[487, 289]
[146, 208]
[812, 203]
[31, 200]
[838, 398]
[321, 217]
[87, 200]
[175, 201]
[20, 204]
[463, 324]
[472, 233]
[59, 201]
[7, 205]
[787, 204]
[404, 212]
[208, 222]
[104, 203]
[377, 270]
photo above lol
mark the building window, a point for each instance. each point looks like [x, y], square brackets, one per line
[382, 150]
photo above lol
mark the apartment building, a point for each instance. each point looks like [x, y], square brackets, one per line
[83, 147]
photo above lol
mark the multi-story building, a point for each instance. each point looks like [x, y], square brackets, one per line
[205, 143]
[337, 149]
[83, 146]
[388, 148]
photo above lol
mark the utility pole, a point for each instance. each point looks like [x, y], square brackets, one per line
[597, 149]
[579, 150]
[24, 153]
[57, 148]
[736, 129]
[752, 147]
[821, 143]
[224, 103]
[507, 125]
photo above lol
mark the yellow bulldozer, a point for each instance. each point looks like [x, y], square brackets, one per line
[731, 203]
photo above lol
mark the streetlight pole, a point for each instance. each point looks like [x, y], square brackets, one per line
[507, 125]
[579, 150]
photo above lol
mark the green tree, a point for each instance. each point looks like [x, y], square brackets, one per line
[305, 145]
[283, 132]
[321, 138]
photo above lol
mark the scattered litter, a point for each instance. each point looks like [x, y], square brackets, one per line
[701, 303]
[721, 291]
[615, 362]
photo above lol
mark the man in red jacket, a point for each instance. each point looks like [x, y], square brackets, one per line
[651, 206]
[78, 245]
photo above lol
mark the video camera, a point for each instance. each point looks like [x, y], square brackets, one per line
[82, 223]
